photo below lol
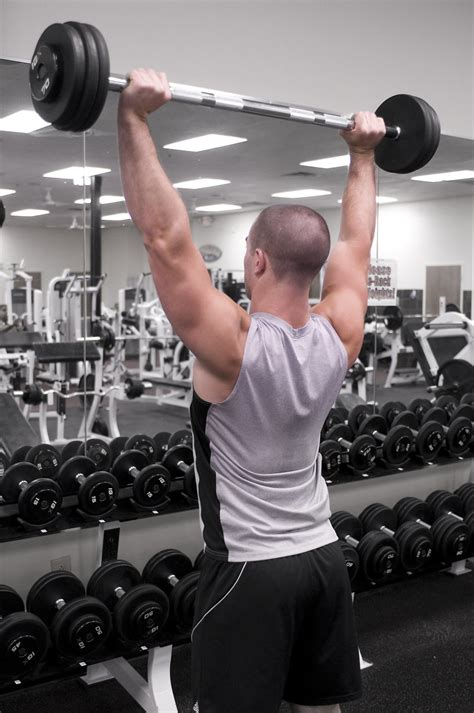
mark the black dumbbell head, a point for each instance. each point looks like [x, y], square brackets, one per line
[107, 578]
[165, 564]
[70, 450]
[372, 423]
[375, 516]
[357, 415]
[98, 451]
[410, 509]
[46, 458]
[151, 485]
[397, 445]
[143, 443]
[116, 446]
[174, 456]
[451, 539]
[81, 628]
[352, 559]
[183, 437]
[378, 554]
[406, 418]
[436, 414]
[141, 614]
[391, 409]
[415, 546]
[466, 493]
[161, 442]
[459, 436]
[24, 637]
[183, 600]
[447, 403]
[442, 502]
[345, 524]
[125, 463]
[19, 455]
[50, 588]
[68, 472]
[331, 456]
[429, 441]
[420, 407]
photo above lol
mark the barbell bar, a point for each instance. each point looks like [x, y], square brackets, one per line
[70, 77]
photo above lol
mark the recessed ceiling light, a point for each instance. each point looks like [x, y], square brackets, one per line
[218, 208]
[103, 201]
[305, 193]
[29, 213]
[380, 199]
[76, 172]
[117, 216]
[204, 143]
[200, 183]
[6, 192]
[449, 176]
[333, 162]
[22, 122]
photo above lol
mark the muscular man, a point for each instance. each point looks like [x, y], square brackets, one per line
[274, 614]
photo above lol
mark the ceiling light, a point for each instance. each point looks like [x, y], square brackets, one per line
[333, 162]
[29, 213]
[204, 143]
[380, 199]
[76, 172]
[200, 183]
[305, 193]
[117, 216]
[6, 192]
[218, 208]
[103, 201]
[22, 122]
[449, 176]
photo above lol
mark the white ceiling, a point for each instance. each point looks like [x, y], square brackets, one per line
[267, 163]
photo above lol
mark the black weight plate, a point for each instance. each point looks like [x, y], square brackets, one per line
[98, 451]
[436, 414]
[143, 443]
[415, 544]
[443, 502]
[81, 628]
[116, 446]
[467, 398]
[98, 493]
[140, 614]
[378, 554]
[408, 509]
[161, 441]
[397, 445]
[352, 559]
[406, 418]
[24, 641]
[13, 476]
[392, 318]
[419, 407]
[70, 450]
[39, 502]
[447, 403]
[151, 486]
[339, 431]
[372, 423]
[183, 600]
[46, 458]
[450, 538]
[346, 525]
[455, 371]
[184, 437]
[125, 463]
[105, 580]
[10, 601]
[78, 121]
[331, 453]
[459, 436]
[163, 565]
[176, 456]
[418, 139]
[19, 455]
[391, 409]
[103, 83]
[67, 44]
[464, 410]
[48, 589]
[332, 419]
[375, 516]
[429, 441]
[78, 465]
[356, 416]
[362, 454]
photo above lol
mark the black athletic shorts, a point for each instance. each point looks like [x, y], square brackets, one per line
[273, 630]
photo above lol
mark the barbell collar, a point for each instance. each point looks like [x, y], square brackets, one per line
[188, 94]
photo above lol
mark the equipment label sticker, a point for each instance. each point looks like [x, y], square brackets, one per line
[382, 282]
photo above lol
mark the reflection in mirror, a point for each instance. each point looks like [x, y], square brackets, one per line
[41, 257]
[426, 234]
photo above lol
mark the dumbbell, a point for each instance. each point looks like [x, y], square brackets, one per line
[396, 442]
[97, 490]
[33, 395]
[391, 409]
[428, 438]
[352, 559]
[24, 638]
[178, 460]
[134, 388]
[358, 414]
[458, 434]
[359, 453]
[44, 456]
[164, 440]
[139, 611]
[414, 541]
[94, 448]
[150, 482]
[38, 498]
[378, 552]
[79, 624]
[450, 537]
[172, 571]
[419, 408]
[444, 503]
[447, 403]
[331, 458]
[335, 417]
[466, 493]
[143, 443]
[465, 410]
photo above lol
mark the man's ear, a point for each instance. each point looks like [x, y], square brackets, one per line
[260, 261]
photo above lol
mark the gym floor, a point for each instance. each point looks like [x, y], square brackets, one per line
[418, 633]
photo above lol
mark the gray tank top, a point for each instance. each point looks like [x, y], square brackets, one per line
[260, 488]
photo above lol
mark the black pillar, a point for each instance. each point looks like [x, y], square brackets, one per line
[96, 238]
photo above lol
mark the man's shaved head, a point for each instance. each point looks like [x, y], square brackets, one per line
[295, 238]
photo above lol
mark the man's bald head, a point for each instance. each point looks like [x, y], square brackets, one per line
[295, 238]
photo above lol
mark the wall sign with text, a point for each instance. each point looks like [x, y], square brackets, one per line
[382, 282]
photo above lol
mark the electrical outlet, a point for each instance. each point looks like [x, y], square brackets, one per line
[61, 563]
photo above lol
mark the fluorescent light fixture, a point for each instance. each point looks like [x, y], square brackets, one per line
[103, 201]
[117, 216]
[305, 193]
[218, 208]
[29, 213]
[76, 173]
[334, 162]
[22, 122]
[449, 176]
[200, 183]
[380, 199]
[204, 143]
[6, 192]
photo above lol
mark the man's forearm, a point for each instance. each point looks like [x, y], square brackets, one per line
[154, 205]
[358, 203]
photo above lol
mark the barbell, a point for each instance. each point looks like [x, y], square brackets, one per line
[70, 77]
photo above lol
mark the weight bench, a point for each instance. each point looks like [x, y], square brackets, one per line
[15, 431]
[19, 340]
